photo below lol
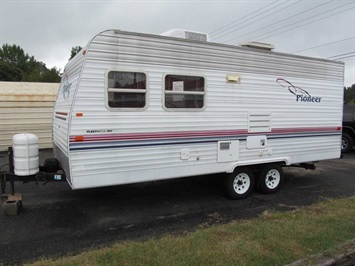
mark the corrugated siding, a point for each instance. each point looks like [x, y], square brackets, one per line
[26, 107]
[228, 106]
[63, 106]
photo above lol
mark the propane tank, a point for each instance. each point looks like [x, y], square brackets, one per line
[25, 149]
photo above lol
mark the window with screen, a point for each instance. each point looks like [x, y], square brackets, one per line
[184, 92]
[126, 90]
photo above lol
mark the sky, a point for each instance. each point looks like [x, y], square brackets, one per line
[48, 29]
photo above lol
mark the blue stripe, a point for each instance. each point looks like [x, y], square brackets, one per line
[168, 142]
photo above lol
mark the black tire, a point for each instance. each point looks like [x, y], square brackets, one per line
[347, 142]
[270, 178]
[240, 183]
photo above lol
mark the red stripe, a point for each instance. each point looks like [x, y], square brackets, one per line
[307, 129]
[161, 135]
[187, 134]
[61, 113]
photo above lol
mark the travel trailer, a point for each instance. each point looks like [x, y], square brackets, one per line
[136, 107]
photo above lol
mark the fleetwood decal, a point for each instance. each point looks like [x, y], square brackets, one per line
[301, 94]
[99, 131]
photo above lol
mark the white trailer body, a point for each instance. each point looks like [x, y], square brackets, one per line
[138, 107]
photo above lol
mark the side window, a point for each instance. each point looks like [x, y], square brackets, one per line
[186, 92]
[126, 89]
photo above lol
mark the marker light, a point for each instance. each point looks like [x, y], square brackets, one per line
[79, 138]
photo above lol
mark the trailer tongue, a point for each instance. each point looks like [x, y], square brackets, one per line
[24, 167]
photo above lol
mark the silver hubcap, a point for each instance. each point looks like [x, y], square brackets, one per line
[344, 143]
[272, 179]
[241, 183]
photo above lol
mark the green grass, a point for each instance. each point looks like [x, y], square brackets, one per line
[272, 239]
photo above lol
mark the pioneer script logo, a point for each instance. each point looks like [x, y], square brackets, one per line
[66, 88]
[301, 94]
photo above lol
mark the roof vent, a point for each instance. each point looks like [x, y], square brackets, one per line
[258, 45]
[185, 34]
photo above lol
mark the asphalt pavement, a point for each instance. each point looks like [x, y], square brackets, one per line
[57, 221]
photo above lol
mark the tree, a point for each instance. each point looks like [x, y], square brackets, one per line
[9, 72]
[349, 94]
[15, 56]
[74, 51]
[52, 75]
[16, 65]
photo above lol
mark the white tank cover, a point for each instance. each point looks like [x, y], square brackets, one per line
[25, 149]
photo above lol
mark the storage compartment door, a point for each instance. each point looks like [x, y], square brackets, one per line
[228, 151]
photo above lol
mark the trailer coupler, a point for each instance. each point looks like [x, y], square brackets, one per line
[12, 202]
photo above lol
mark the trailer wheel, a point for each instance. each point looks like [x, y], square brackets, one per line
[346, 142]
[270, 178]
[240, 183]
